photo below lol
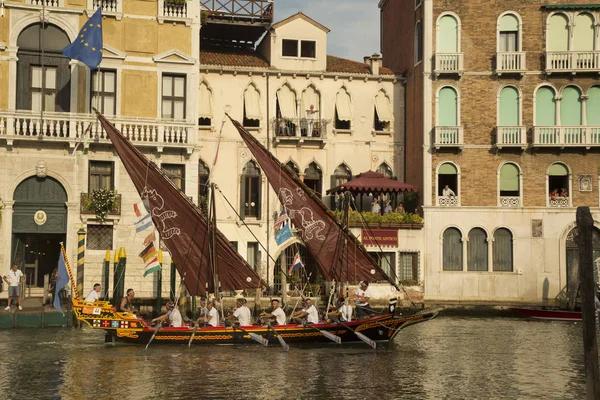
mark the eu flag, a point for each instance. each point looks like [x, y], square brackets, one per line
[62, 278]
[87, 48]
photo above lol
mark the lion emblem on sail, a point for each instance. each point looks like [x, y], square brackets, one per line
[310, 228]
[163, 215]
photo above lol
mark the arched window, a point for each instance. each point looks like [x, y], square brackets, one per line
[447, 176]
[558, 185]
[203, 173]
[310, 113]
[205, 111]
[558, 33]
[341, 175]
[43, 88]
[593, 105]
[385, 170]
[252, 113]
[418, 42]
[545, 106]
[292, 165]
[502, 250]
[583, 33]
[452, 253]
[509, 107]
[313, 178]
[448, 107]
[448, 35]
[251, 191]
[383, 112]
[285, 110]
[570, 107]
[343, 109]
[508, 35]
[509, 185]
[477, 250]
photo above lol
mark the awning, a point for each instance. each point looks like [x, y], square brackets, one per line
[252, 103]
[369, 182]
[287, 102]
[309, 97]
[204, 102]
[383, 108]
[342, 106]
[571, 7]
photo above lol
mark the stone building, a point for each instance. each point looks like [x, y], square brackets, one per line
[503, 107]
[170, 72]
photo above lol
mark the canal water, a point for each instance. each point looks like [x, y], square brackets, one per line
[449, 358]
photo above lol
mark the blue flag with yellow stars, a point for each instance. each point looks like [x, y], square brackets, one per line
[87, 48]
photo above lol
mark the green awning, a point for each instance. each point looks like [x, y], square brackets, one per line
[572, 7]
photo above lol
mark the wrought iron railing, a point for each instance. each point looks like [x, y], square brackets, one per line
[256, 10]
[300, 128]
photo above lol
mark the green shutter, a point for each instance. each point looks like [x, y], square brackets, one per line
[593, 106]
[448, 115]
[509, 107]
[583, 33]
[570, 107]
[448, 35]
[545, 108]
[558, 170]
[558, 35]
[509, 178]
[509, 23]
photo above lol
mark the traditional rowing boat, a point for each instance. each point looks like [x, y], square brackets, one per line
[554, 315]
[210, 264]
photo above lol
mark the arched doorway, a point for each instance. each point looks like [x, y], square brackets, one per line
[39, 224]
[572, 251]
[43, 74]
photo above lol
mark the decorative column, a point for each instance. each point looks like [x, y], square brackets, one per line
[80, 258]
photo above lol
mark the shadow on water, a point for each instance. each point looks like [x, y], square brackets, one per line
[450, 357]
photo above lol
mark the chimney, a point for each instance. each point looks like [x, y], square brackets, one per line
[375, 63]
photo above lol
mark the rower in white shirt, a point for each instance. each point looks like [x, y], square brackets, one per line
[94, 295]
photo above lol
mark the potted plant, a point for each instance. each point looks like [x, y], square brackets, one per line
[101, 202]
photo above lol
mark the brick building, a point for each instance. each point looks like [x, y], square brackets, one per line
[503, 106]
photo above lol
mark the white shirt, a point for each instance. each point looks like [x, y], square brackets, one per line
[13, 277]
[313, 314]
[93, 296]
[243, 315]
[448, 192]
[346, 312]
[175, 318]
[279, 315]
[363, 293]
[214, 321]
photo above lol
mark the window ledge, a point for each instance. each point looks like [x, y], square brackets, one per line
[382, 133]
[210, 128]
[253, 128]
[108, 220]
[343, 131]
[249, 221]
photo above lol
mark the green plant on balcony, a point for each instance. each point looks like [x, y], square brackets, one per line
[371, 218]
[177, 3]
[101, 202]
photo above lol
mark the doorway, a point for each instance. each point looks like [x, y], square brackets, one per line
[40, 254]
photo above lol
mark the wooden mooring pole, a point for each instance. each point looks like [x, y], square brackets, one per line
[585, 226]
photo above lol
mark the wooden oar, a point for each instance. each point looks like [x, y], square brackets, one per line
[153, 335]
[358, 334]
[254, 336]
[328, 335]
[281, 341]
[193, 334]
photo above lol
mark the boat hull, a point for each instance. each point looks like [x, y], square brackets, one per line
[554, 315]
[127, 328]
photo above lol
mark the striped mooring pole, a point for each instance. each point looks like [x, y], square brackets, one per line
[173, 272]
[116, 299]
[106, 274]
[80, 258]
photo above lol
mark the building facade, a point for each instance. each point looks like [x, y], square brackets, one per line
[170, 72]
[502, 123]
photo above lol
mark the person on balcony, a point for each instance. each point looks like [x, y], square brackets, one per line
[375, 207]
[310, 117]
[447, 192]
[554, 193]
[284, 130]
[564, 193]
[388, 207]
[400, 208]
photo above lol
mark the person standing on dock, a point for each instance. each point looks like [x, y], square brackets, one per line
[13, 279]
[94, 295]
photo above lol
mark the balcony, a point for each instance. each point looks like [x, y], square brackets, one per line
[510, 62]
[24, 125]
[45, 3]
[173, 11]
[510, 201]
[85, 208]
[447, 201]
[109, 7]
[572, 61]
[566, 136]
[448, 136]
[299, 130]
[448, 63]
[248, 10]
[511, 136]
[558, 202]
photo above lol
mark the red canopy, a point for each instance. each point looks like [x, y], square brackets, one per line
[369, 182]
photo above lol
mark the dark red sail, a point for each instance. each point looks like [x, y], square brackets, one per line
[181, 226]
[339, 255]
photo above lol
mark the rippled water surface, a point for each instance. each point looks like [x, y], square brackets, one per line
[449, 357]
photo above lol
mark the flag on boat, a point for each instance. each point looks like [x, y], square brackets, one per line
[62, 278]
[296, 264]
[87, 48]
[150, 257]
[144, 218]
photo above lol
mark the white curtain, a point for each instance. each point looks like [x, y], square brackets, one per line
[342, 106]
[287, 102]
[252, 103]
[204, 102]
[383, 108]
[309, 97]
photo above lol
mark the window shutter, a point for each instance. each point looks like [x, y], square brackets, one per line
[259, 202]
[342, 106]
[383, 107]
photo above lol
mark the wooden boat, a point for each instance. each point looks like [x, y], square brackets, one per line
[208, 263]
[554, 315]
